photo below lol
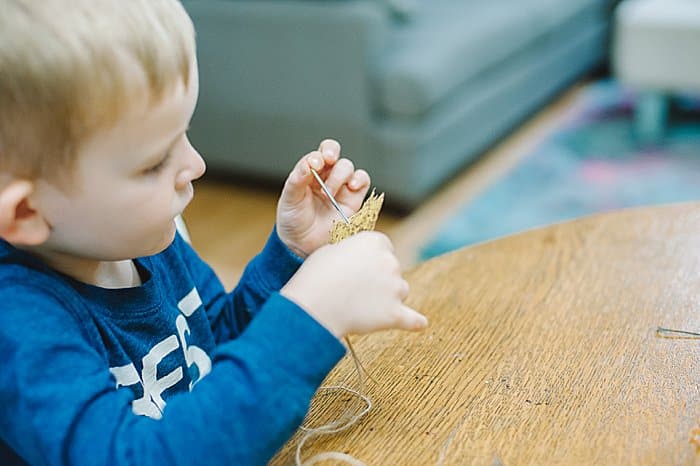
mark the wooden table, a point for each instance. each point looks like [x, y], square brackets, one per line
[542, 349]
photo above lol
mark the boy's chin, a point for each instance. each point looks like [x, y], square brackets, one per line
[165, 241]
[170, 235]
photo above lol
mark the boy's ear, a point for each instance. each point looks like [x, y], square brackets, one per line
[20, 222]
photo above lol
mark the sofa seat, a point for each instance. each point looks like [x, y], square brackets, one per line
[412, 97]
[432, 56]
[429, 57]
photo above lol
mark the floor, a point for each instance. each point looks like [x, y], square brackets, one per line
[229, 223]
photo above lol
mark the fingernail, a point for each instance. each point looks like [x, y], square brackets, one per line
[315, 162]
[328, 153]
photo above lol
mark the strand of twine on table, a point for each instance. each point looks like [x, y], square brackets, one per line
[344, 423]
[348, 421]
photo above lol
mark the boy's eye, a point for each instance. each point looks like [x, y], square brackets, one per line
[159, 166]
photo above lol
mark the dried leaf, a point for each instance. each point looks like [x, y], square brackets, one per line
[364, 219]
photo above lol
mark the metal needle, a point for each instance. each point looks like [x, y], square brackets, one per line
[330, 196]
[669, 332]
[358, 365]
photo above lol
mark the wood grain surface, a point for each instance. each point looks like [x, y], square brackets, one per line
[542, 349]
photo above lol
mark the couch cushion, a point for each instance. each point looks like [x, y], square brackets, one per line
[448, 42]
[552, 13]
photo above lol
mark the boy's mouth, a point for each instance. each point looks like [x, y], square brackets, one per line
[188, 196]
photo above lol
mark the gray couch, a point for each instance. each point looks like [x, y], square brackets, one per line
[413, 91]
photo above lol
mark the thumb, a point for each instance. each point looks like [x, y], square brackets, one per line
[299, 179]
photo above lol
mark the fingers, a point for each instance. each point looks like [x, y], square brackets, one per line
[329, 150]
[368, 295]
[404, 318]
[382, 241]
[327, 154]
[409, 319]
[300, 177]
[320, 160]
[340, 174]
[360, 179]
[347, 185]
[354, 191]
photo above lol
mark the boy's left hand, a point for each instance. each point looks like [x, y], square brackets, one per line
[305, 215]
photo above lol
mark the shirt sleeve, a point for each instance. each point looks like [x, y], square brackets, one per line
[230, 313]
[59, 404]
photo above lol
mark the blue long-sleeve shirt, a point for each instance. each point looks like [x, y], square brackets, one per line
[175, 371]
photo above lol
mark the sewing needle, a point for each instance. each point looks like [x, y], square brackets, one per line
[669, 332]
[358, 365]
[330, 196]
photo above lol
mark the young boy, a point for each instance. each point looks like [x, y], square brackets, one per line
[119, 345]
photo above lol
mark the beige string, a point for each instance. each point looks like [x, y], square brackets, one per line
[363, 220]
[333, 428]
[333, 455]
[340, 425]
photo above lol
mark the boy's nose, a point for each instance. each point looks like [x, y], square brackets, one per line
[198, 164]
[194, 168]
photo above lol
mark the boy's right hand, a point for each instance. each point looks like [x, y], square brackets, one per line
[355, 287]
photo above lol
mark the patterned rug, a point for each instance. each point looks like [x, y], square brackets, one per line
[593, 163]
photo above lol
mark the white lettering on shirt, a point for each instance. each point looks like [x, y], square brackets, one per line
[151, 404]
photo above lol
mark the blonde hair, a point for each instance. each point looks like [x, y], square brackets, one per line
[63, 74]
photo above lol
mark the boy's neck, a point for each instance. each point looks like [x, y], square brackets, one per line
[105, 274]
[121, 274]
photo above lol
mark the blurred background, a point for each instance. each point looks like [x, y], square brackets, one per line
[478, 119]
